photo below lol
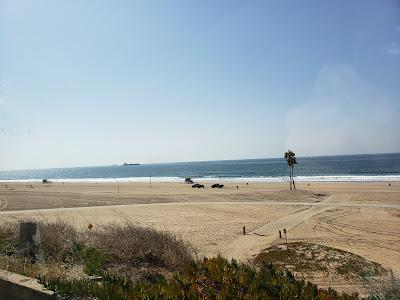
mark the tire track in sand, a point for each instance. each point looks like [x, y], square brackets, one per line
[247, 246]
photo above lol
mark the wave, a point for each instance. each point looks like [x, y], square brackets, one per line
[323, 178]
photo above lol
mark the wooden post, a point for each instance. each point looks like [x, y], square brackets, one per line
[280, 234]
[118, 186]
[244, 230]
[284, 231]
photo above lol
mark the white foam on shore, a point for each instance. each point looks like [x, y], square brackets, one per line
[329, 178]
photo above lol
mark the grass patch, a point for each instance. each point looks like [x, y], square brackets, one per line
[8, 238]
[313, 259]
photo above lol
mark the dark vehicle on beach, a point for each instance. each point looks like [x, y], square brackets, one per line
[188, 180]
[217, 185]
[199, 186]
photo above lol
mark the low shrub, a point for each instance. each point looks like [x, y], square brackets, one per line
[124, 249]
[20, 265]
[139, 246]
[214, 278]
[311, 259]
[9, 233]
[385, 288]
[59, 241]
[95, 260]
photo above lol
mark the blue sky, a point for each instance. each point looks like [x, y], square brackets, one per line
[102, 82]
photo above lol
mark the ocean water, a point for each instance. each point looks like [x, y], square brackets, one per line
[376, 167]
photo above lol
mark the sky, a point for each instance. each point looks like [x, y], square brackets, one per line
[93, 82]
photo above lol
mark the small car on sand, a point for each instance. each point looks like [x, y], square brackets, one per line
[217, 185]
[199, 186]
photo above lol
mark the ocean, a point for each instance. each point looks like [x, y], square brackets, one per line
[359, 168]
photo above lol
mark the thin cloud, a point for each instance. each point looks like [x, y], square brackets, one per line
[394, 49]
[345, 114]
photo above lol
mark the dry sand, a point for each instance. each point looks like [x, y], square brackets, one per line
[362, 218]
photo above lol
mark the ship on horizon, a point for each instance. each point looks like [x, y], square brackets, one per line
[126, 164]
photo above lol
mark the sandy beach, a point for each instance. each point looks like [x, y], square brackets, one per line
[362, 218]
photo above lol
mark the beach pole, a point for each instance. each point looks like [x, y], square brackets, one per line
[118, 186]
[280, 234]
[244, 230]
[284, 231]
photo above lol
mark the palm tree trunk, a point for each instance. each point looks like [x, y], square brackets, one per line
[290, 178]
[294, 186]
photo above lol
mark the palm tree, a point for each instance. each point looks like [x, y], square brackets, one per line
[290, 157]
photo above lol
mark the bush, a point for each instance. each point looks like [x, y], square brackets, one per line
[59, 241]
[138, 246]
[95, 260]
[8, 238]
[386, 288]
[214, 278]
[127, 249]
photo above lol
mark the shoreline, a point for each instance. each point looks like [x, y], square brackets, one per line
[278, 179]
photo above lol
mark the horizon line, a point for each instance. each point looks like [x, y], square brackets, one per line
[198, 161]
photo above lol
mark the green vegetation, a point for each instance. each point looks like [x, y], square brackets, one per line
[311, 259]
[130, 262]
[214, 278]
[127, 250]
[290, 157]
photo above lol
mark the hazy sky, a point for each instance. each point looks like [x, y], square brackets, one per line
[103, 82]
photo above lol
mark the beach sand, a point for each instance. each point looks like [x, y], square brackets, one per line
[362, 218]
